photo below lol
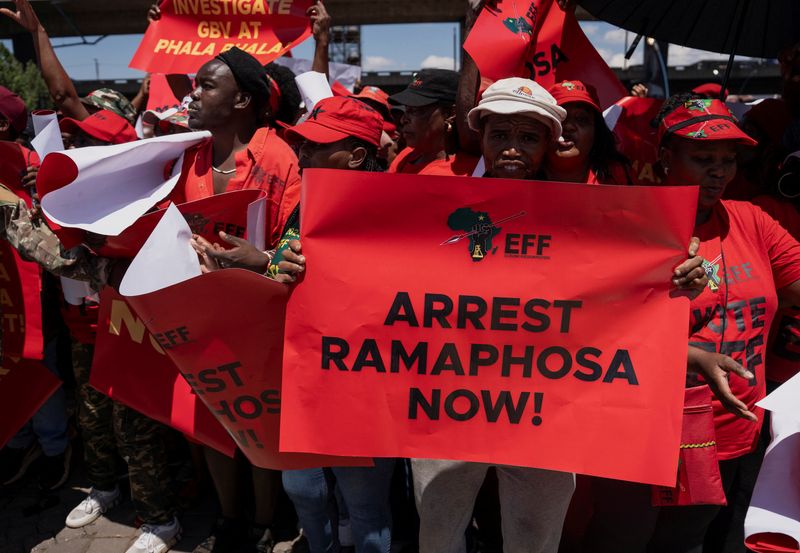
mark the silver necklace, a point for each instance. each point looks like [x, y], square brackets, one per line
[221, 172]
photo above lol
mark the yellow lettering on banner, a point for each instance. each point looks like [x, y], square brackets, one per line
[214, 29]
[5, 299]
[647, 173]
[174, 46]
[208, 51]
[255, 25]
[121, 315]
[4, 273]
[244, 30]
[258, 8]
[275, 49]
[161, 44]
[285, 7]
[181, 7]
[11, 321]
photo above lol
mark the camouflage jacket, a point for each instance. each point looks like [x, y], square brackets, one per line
[34, 241]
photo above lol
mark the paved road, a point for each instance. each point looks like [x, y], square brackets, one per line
[31, 522]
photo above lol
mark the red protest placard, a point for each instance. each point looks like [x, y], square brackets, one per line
[161, 98]
[636, 138]
[191, 32]
[25, 384]
[130, 366]
[226, 212]
[224, 332]
[538, 40]
[20, 281]
[21, 305]
[489, 320]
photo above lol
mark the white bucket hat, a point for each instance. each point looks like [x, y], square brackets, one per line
[523, 96]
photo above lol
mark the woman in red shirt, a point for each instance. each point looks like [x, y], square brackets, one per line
[586, 151]
[751, 262]
[428, 127]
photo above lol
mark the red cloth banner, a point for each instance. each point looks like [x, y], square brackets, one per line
[25, 384]
[131, 367]
[538, 40]
[500, 321]
[191, 32]
[224, 332]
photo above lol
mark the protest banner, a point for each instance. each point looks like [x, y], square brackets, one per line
[191, 32]
[20, 305]
[500, 321]
[539, 41]
[150, 383]
[161, 98]
[636, 138]
[20, 281]
[224, 332]
[25, 384]
[226, 212]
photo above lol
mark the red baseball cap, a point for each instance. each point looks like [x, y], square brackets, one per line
[13, 108]
[376, 98]
[567, 92]
[703, 119]
[103, 125]
[336, 118]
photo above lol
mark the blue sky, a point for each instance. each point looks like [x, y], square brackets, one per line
[384, 48]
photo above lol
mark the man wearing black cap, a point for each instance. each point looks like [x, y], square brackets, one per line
[428, 126]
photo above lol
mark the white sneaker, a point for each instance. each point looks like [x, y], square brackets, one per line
[90, 509]
[157, 538]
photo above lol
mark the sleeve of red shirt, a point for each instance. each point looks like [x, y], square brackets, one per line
[783, 250]
[283, 185]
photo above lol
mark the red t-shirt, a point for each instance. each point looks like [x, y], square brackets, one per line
[783, 351]
[750, 256]
[459, 164]
[268, 163]
[14, 160]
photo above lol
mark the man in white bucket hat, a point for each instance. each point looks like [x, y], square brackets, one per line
[518, 121]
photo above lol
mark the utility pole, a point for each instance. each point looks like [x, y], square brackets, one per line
[96, 69]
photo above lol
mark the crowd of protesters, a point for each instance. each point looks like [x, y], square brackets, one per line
[442, 124]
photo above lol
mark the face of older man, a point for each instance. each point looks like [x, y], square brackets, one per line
[513, 146]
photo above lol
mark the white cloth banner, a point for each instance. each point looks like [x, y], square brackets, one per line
[347, 75]
[110, 187]
[775, 505]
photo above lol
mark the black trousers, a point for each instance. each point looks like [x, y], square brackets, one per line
[625, 522]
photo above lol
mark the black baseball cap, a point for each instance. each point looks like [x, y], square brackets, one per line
[429, 87]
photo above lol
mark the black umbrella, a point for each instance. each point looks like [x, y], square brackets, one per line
[757, 28]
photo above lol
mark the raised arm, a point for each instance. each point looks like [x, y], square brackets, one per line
[58, 82]
[320, 27]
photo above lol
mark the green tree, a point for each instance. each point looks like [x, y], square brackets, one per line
[24, 79]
